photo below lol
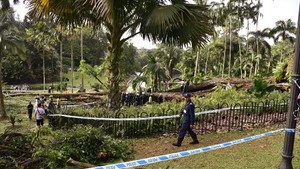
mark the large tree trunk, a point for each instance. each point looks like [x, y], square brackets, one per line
[113, 57]
[61, 68]
[72, 64]
[2, 108]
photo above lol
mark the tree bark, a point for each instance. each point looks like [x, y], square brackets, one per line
[44, 70]
[2, 108]
[61, 68]
[197, 62]
[206, 62]
[229, 69]
[224, 58]
[72, 63]
[113, 57]
[81, 164]
[81, 51]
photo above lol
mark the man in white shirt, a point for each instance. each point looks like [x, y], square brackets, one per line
[39, 115]
[182, 86]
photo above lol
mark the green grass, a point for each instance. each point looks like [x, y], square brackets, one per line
[260, 153]
[17, 105]
[88, 81]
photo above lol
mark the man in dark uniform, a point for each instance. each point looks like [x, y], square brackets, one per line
[188, 121]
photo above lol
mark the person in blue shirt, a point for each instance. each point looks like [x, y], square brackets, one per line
[188, 121]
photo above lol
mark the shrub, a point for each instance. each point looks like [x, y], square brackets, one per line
[83, 143]
[12, 119]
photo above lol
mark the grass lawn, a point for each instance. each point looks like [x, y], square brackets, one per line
[88, 82]
[17, 105]
[260, 153]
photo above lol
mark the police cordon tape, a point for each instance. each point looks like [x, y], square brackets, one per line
[149, 118]
[182, 154]
[77, 105]
[292, 131]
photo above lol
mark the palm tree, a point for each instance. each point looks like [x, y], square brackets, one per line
[155, 70]
[42, 37]
[174, 22]
[264, 46]
[286, 30]
[169, 56]
[250, 13]
[9, 40]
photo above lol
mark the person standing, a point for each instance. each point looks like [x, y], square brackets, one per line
[160, 98]
[166, 85]
[186, 86]
[188, 121]
[30, 108]
[51, 107]
[39, 116]
[37, 101]
[58, 102]
[181, 86]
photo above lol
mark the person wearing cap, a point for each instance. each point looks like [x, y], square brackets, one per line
[188, 121]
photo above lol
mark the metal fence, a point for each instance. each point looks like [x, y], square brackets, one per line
[238, 116]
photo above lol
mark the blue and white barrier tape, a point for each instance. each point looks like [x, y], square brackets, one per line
[77, 105]
[147, 118]
[181, 154]
[292, 131]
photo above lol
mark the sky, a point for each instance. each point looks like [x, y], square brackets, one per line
[272, 10]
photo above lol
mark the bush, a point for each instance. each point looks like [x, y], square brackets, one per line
[12, 119]
[84, 144]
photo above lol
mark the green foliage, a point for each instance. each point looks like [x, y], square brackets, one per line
[129, 61]
[280, 72]
[95, 71]
[199, 78]
[64, 86]
[260, 88]
[83, 143]
[12, 119]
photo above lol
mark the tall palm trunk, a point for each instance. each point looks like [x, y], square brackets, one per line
[197, 62]
[247, 45]
[240, 53]
[257, 50]
[239, 41]
[251, 68]
[81, 51]
[72, 63]
[269, 64]
[2, 108]
[207, 56]
[44, 70]
[224, 58]
[229, 68]
[61, 68]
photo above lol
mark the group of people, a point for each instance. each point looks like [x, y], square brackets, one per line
[41, 108]
[128, 99]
